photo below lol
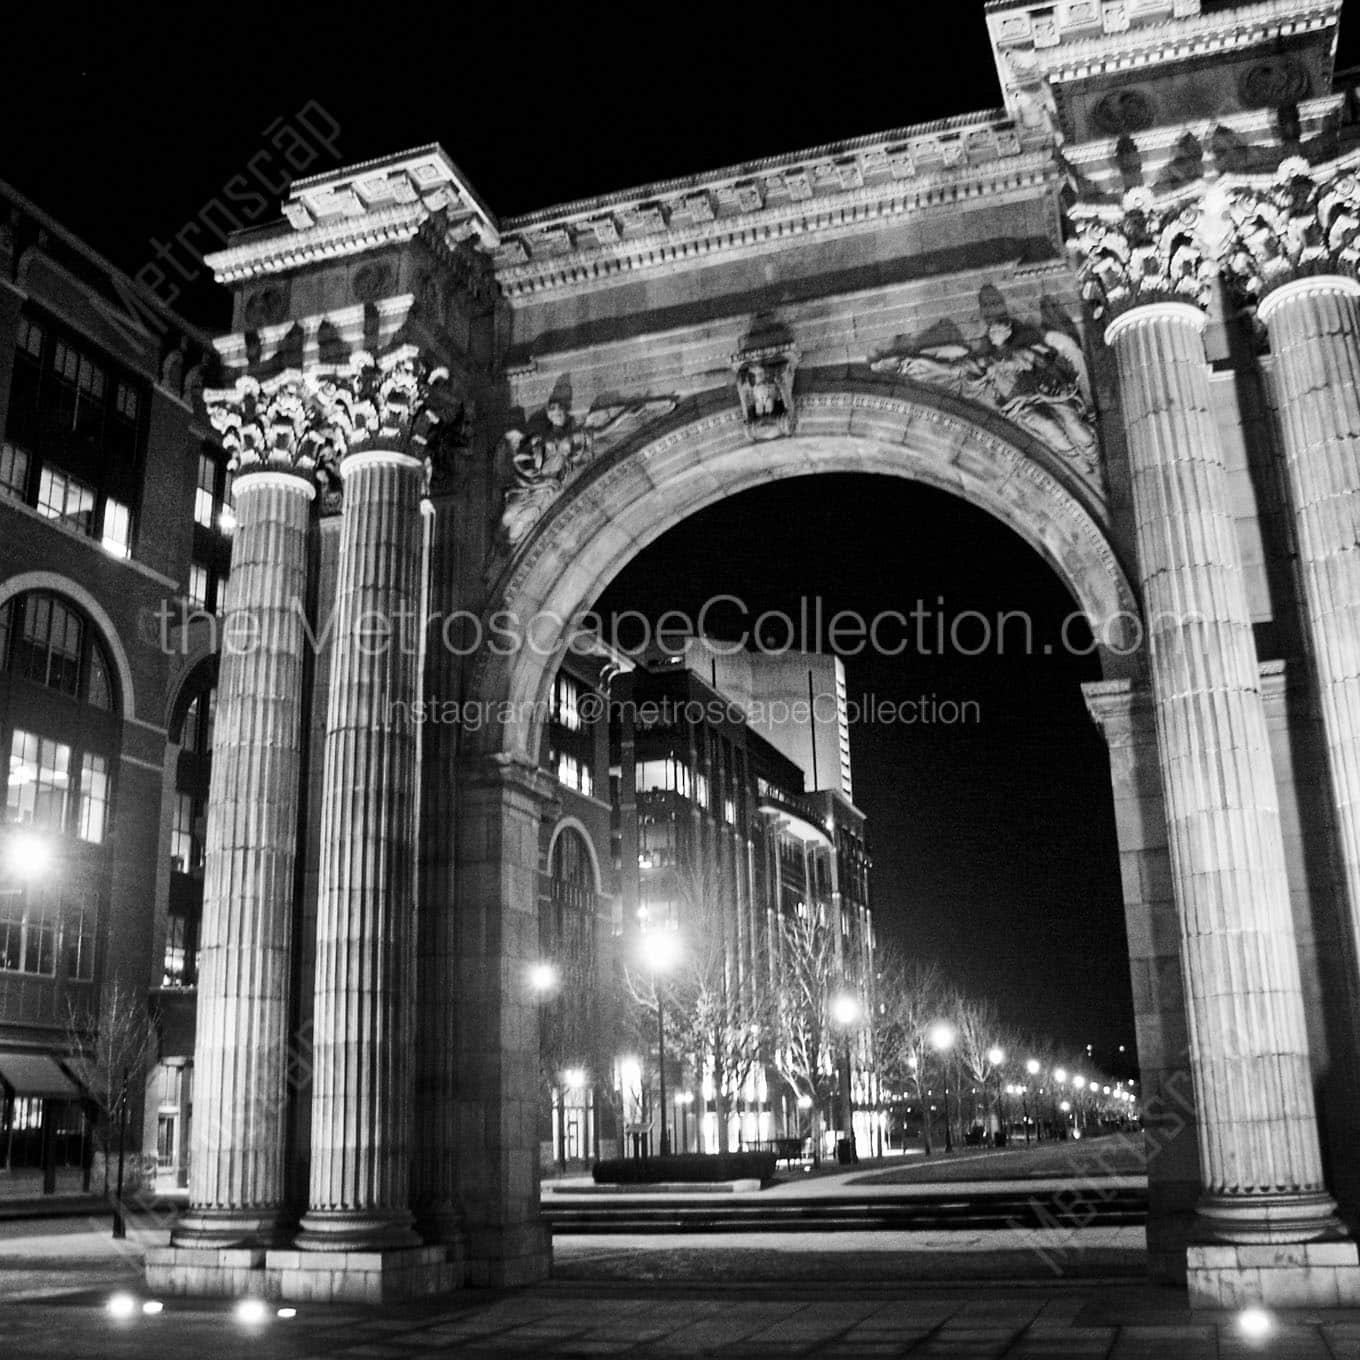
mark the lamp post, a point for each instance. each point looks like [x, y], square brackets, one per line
[685, 1099]
[543, 984]
[942, 1041]
[660, 948]
[805, 1103]
[996, 1056]
[845, 1010]
[1060, 1081]
[1032, 1067]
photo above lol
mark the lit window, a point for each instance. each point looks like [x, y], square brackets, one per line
[39, 780]
[117, 528]
[205, 499]
[63, 498]
[189, 735]
[567, 703]
[125, 403]
[30, 337]
[198, 585]
[13, 472]
[90, 378]
[575, 773]
[78, 923]
[94, 799]
[65, 361]
[49, 649]
[28, 933]
[179, 967]
[729, 812]
[186, 850]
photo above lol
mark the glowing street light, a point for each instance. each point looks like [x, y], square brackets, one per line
[661, 951]
[845, 1011]
[942, 1036]
[543, 978]
[27, 855]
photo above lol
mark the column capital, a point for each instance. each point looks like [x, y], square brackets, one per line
[307, 422]
[1145, 249]
[1298, 232]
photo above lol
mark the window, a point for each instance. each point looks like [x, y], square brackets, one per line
[78, 925]
[575, 773]
[198, 585]
[667, 775]
[180, 966]
[13, 472]
[94, 799]
[100, 694]
[205, 497]
[30, 337]
[165, 1141]
[6, 614]
[125, 402]
[186, 850]
[39, 780]
[49, 647]
[567, 702]
[117, 528]
[63, 498]
[28, 934]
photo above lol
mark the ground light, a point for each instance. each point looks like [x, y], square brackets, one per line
[153, 1306]
[1255, 1323]
[287, 1313]
[251, 1312]
[122, 1306]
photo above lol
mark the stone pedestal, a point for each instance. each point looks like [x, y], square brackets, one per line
[236, 1189]
[206, 1272]
[362, 1081]
[360, 1276]
[1292, 1275]
[1259, 1150]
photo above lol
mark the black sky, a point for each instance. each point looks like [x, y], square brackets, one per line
[994, 848]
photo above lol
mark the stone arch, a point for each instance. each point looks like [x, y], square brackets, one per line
[57, 584]
[634, 495]
[575, 824]
[200, 675]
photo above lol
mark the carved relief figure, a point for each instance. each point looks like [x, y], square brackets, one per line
[765, 389]
[554, 447]
[1038, 378]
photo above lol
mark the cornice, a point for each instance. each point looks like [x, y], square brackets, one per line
[1083, 38]
[739, 218]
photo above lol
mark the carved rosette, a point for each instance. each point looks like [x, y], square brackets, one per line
[1297, 227]
[1143, 250]
[307, 423]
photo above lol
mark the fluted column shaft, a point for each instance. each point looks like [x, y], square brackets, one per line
[236, 1181]
[365, 968]
[1259, 1146]
[1314, 326]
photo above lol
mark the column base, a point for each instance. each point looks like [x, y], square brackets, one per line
[334, 1230]
[1280, 1275]
[360, 1276]
[506, 1258]
[206, 1272]
[1263, 1220]
[209, 1229]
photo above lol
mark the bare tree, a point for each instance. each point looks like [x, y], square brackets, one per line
[912, 997]
[804, 1053]
[110, 1053]
[716, 1012]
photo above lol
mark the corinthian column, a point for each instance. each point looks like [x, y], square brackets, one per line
[362, 1084]
[1311, 307]
[236, 1182]
[1259, 1150]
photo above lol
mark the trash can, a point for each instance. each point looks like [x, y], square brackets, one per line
[845, 1152]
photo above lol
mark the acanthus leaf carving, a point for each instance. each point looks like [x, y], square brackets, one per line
[1298, 226]
[1147, 249]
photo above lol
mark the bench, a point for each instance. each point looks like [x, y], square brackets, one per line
[785, 1149]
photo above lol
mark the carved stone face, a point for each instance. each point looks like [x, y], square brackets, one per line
[557, 415]
[999, 333]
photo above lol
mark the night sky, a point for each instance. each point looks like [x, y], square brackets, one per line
[994, 846]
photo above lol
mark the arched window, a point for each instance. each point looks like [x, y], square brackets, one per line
[58, 775]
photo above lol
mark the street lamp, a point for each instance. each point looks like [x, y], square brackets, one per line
[685, 1099]
[1032, 1066]
[942, 1040]
[996, 1055]
[845, 1010]
[543, 978]
[661, 949]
